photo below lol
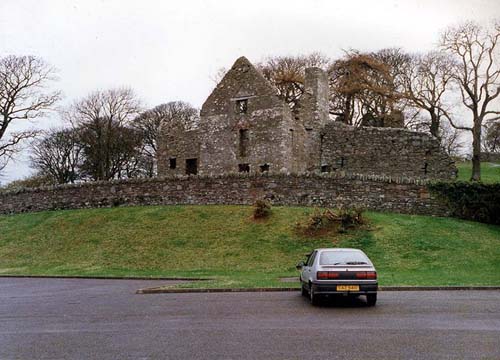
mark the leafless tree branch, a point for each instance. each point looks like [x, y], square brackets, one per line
[475, 49]
[24, 95]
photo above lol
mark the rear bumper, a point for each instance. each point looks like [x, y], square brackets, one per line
[331, 289]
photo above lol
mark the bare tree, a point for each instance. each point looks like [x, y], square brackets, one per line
[110, 150]
[9, 148]
[286, 73]
[120, 105]
[450, 139]
[426, 80]
[100, 119]
[219, 75]
[397, 60]
[23, 95]
[492, 138]
[478, 76]
[361, 85]
[58, 155]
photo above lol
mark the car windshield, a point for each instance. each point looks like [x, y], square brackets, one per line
[343, 258]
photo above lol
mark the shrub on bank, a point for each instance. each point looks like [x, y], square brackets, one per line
[326, 219]
[261, 209]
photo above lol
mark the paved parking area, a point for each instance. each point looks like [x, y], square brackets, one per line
[105, 319]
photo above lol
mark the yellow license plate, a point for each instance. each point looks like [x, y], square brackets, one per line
[347, 288]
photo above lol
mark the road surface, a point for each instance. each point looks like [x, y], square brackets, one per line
[104, 319]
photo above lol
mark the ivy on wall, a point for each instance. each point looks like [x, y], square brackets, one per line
[470, 200]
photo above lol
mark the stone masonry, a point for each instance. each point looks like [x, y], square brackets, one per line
[493, 157]
[250, 145]
[391, 151]
[245, 127]
[329, 190]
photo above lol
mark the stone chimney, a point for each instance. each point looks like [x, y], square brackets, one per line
[312, 112]
[315, 98]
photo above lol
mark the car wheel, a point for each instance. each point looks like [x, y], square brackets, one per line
[303, 290]
[371, 299]
[313, 297]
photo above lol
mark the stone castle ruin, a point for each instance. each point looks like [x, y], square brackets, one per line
[246, 127]
[307, 158]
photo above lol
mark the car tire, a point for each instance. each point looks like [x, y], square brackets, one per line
[303, 290]
[313, 297]
[371, 299]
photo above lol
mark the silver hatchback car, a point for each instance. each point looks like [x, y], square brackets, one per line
[338, 271]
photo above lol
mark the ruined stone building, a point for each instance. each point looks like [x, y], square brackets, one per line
[246, 127]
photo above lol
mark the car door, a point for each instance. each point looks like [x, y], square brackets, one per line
[306, 274]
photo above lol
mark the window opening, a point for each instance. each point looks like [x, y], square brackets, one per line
[342, 162]
[310, 261]
[242, 106]
[244, 168]
[191, 166]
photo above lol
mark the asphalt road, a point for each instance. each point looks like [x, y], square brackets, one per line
[104, 319]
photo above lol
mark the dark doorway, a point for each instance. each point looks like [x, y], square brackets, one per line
[191, 166]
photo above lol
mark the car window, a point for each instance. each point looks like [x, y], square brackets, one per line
[308, 256]
[311, 259]
[343, 258]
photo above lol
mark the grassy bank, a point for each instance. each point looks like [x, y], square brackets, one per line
[490, 172]
[225, 244]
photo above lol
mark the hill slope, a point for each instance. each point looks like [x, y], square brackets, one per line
[225, 243]
[490, 172]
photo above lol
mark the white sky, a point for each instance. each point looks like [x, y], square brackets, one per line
[170, 50]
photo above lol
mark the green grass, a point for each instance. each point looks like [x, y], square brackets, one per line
[490, 172]
[225, 244]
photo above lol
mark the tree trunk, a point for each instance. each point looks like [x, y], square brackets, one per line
[476, 150]
[434, 124]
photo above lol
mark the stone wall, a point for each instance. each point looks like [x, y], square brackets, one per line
[490, 157]
[312, 113]
[244, 123]
[178, 145]
[384, 151]
[374, 193]
[246, 126]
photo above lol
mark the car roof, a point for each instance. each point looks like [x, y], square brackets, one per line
[338, 249]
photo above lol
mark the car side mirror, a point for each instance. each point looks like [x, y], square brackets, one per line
[300, 265]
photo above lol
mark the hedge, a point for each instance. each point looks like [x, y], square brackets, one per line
[470, 200]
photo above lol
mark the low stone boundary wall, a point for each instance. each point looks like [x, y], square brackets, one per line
[490, 157]
[370, 192]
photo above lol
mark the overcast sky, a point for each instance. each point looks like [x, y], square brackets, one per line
[170, 50]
